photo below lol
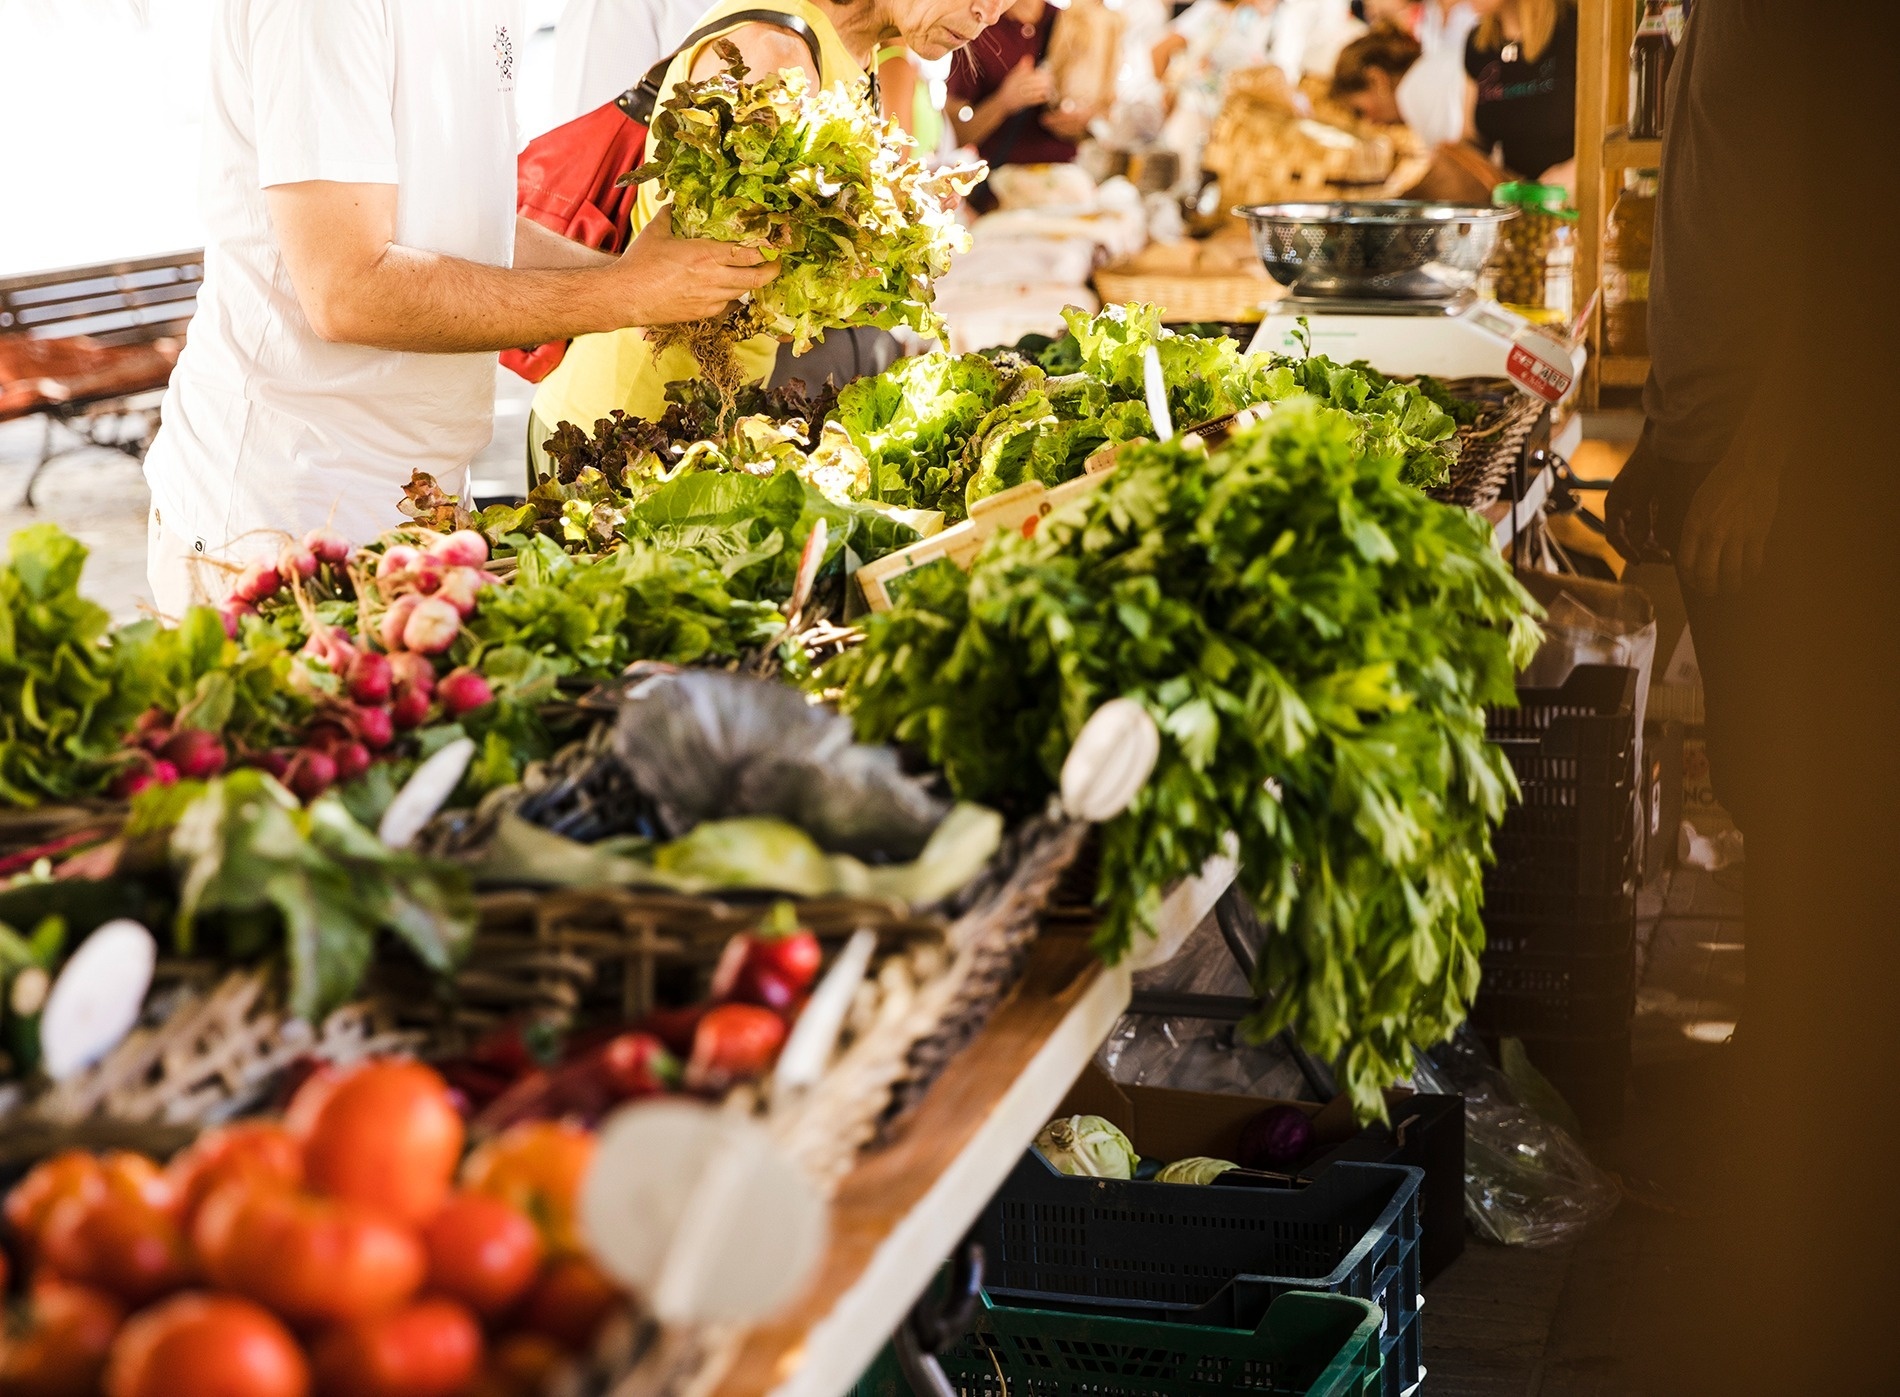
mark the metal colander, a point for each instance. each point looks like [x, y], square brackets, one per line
[1384, 249]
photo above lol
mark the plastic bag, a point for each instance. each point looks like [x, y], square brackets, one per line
[1191, 1054]
[1527, 1181]
[708, 745]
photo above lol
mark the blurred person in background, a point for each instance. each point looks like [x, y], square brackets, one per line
[1521, 98]
[604, 47]
[1003, 100]
[363, 264]
[1386, 77]
[1213, 38]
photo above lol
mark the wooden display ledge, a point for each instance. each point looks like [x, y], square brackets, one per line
[906, 1206]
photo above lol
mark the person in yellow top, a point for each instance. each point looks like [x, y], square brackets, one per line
[620, 370]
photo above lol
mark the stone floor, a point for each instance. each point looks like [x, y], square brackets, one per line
[1560, 1322]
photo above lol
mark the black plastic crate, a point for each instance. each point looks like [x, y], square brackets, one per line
[1211, 1254]
[1510, 904]
[1513, 940]
[1561, 997]
[1426, 1131]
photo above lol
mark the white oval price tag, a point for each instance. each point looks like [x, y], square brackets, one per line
[97, 998]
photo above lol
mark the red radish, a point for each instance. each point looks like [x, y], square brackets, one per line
[232, 612]
[258, 582]
[399, 559]
[395, 619]
[412, 672]
[463, 691]
[462, 549]
[198, 755]
[374, 725]
[370, 678]
[432, 627]
[276, 762]
[311, 773]
[330, 646]
[352, 760]
[297, 561]
[329, 547]
[427, 577]
[410, 710]
[461, 588]
[134, 779]
[153, 729]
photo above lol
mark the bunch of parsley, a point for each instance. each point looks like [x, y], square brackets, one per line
[1316, 641]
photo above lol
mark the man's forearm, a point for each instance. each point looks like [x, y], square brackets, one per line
[538, 248]
[429, 303]
[985, 119]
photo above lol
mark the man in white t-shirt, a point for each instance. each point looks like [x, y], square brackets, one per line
[604, 47]
[363, 265]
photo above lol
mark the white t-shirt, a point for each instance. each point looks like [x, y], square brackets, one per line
[267, 428]
[1431, 95]
[604, 47]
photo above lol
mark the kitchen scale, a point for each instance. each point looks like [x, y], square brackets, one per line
[1392, 283]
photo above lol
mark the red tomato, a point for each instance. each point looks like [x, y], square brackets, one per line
[536, 1167]
[78, 1174]
[570, 1302]
[116, 1243]
[482, 1252]
[259, 1151]
[386, 1135]
[429, 1349]
[309, 1259]
[519, 1365]
[62, 1349]
[734, 1043]
[206, 1346]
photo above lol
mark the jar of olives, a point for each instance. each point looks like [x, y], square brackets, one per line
[1531, 269]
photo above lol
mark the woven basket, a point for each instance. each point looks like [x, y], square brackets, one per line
[1236, 298]
[1488, 449]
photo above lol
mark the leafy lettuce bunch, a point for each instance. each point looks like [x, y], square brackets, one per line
[818, 180]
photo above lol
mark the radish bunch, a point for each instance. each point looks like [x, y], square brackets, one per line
[430, 593]
[159, 755]
[263, 580]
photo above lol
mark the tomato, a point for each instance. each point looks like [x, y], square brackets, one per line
[520, 1365]
[260, 1151]
[482, 1252]
[309, 1259]
[429, 1349]
[386, 1135]
[537, 1167]
[206, 1346]
[117, 1243]
[62, 1349]
[570, 1302]
[734, 1043]
[78, 1174]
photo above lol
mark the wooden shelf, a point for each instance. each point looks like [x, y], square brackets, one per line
[905, 1206]
[1622, 370]
[1622, 153]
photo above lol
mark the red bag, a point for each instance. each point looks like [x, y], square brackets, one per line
[569, 178]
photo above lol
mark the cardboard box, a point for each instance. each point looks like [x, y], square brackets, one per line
[1427, 1131]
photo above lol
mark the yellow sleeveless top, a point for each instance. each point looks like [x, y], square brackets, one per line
[620, 370]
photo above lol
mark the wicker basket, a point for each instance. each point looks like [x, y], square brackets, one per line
[1233, 298]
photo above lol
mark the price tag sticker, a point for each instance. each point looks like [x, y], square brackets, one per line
[1541, 366]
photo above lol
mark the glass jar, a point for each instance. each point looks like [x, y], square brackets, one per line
[1531, 270]
[1628, 236]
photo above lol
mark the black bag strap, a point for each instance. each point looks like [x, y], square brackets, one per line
[639, 100]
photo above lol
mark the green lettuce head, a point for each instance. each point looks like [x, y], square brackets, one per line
[1088, 1147]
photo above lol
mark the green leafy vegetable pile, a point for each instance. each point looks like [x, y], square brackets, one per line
[1316, 641]
[820, 181]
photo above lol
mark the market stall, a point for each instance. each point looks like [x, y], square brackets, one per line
[625, 939]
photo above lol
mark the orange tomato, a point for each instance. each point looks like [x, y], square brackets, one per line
[79, 1174]
[260, 1151]
[308, 1259]
[61, 1350]
[482, 1252]
[429, 1349]
[117, 1243]
[386, 1135]
[537, 1167]
[206, 1346]
[570, 1302]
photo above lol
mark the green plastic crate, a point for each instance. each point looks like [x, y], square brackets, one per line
[1308, 1345]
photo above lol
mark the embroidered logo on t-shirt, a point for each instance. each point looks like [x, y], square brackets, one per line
[505, 57]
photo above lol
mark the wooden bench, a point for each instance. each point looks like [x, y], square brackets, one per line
[90, 349]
